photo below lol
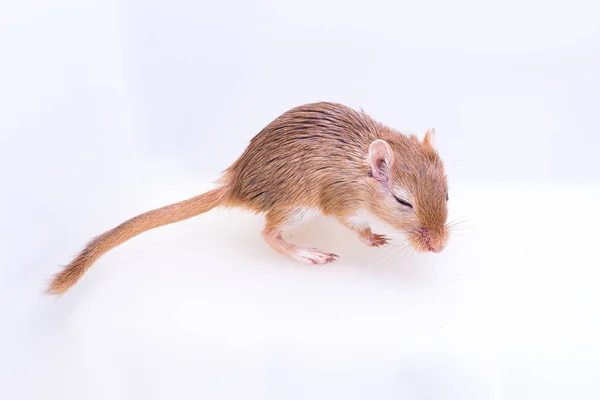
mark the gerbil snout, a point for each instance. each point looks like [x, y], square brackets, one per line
[425, 239]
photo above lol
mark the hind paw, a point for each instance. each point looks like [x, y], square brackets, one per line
[314, 256]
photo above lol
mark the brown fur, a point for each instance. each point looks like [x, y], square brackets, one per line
[127, 230]
[322, 156]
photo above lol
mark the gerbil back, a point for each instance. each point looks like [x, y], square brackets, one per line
[301, 156]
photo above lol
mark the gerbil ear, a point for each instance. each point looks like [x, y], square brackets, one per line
[429, 139]
[381, 159]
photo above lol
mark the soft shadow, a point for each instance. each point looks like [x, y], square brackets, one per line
[395, 261]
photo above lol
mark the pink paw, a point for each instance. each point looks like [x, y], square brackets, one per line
[314, 256]
[376, 240]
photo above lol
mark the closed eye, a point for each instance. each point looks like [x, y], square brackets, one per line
[403, 202]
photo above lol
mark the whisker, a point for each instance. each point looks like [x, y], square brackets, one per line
[376, 263]
[402, 252]
[463, 229]
[461, 224]
[408, 252]
[461, 220]
[398, 250]
[460, 234]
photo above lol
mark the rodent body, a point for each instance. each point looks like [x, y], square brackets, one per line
[321, 156]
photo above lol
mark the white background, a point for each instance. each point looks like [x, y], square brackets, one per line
[109, 108]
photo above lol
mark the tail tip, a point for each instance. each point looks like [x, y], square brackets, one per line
[57, 286]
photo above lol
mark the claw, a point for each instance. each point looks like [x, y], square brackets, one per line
[376, 240]
[314, 256]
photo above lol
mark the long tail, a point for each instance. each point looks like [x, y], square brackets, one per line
[149, 220]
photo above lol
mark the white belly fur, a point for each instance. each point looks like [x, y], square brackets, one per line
[301, 215]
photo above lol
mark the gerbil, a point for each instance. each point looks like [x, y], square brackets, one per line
[322, 156]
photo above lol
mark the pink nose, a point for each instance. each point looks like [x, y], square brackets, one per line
[428, 239]
[434, 249]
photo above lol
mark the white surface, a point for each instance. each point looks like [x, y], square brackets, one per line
[109, 108]
[508, 311]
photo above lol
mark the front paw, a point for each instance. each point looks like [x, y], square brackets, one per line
[375, 240]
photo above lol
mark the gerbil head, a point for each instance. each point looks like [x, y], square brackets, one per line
[408, 189]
